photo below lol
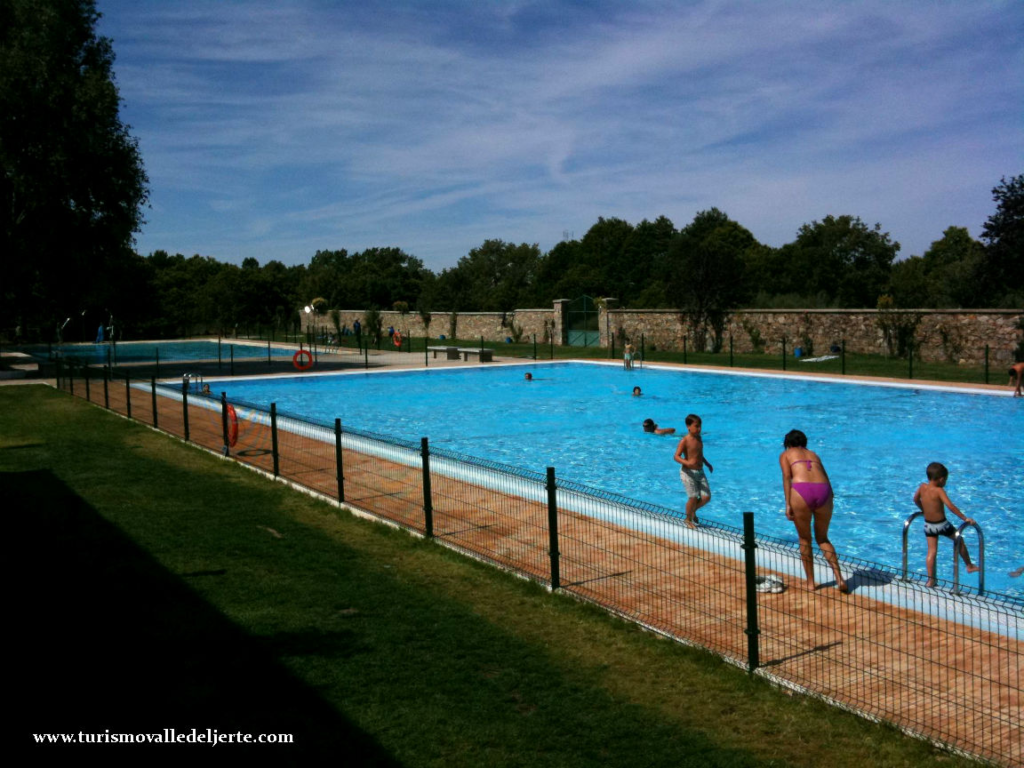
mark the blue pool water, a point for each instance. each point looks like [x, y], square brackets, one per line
[875, 441]
[146, 351]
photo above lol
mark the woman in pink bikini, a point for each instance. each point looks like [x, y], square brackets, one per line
[808, 501]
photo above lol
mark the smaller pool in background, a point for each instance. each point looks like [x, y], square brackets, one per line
[146, 351]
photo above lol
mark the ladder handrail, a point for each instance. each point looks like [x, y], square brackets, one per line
[957, 537]
[906, 528]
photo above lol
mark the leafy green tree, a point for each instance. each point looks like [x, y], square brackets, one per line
[705, 260]
[842, 257]
[909, 284]
[73, 185]
[954, 266]
[1003, 234]
[603, 253]
[644, 254]
[497, 276]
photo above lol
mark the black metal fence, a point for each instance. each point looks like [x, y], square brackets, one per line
[941, 666]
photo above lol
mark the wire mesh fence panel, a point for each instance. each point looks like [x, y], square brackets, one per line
[206, 421]
[119, 392]
[386, 487]
[249, 436]
[380, 476]
[170, 416]
[945, 667]
[498, 515]
[142, 401]
[648, 566]
[306, 455]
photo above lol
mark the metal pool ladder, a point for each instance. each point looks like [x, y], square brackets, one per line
[957, 537]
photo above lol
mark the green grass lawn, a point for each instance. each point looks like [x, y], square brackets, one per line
[158, 586]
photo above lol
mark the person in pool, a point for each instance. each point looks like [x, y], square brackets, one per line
[808, 493]
[637, 392]
[650, 426]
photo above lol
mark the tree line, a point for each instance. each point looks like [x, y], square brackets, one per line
[704, 269]
[73, 190]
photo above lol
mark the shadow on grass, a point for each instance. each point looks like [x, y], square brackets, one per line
[108, 641]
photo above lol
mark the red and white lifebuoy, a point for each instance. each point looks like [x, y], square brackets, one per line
[232, 426]
[397, 339]
[303, 366]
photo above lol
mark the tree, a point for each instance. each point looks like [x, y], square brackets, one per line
[497, 276]
[842, 257]
[953, 267]
[705, 261]
[643, 254]
[1003, 234]
[73, 185]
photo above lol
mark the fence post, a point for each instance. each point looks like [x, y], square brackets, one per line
[128, 393]
[71, 378]
[85, 370]
[426, 352]
[338, 460]
[366, 356]
[273, 440]
[750, 562]
[428, 504]
[156, 420]
[106, 388]
[269, 359]
[224, 419]
[556, 580]
[184, 411]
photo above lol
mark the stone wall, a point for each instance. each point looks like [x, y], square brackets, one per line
[939, 335]
[493, 326]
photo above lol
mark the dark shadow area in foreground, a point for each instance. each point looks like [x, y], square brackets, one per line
[106, 640]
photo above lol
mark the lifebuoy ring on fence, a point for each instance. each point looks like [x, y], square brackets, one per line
[303, 366]
[397, 339]
[232, 426]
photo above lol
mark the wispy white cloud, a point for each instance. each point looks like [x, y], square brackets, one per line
[273, 129]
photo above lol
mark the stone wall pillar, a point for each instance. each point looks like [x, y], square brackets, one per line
[605, 326]
[560, 308]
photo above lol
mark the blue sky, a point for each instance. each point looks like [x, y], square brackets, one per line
[274, 129]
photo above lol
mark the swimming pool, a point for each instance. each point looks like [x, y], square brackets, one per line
[581, 418]
[146, 351]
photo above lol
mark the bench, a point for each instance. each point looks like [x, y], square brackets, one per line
[486, 355]
[451, 353]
